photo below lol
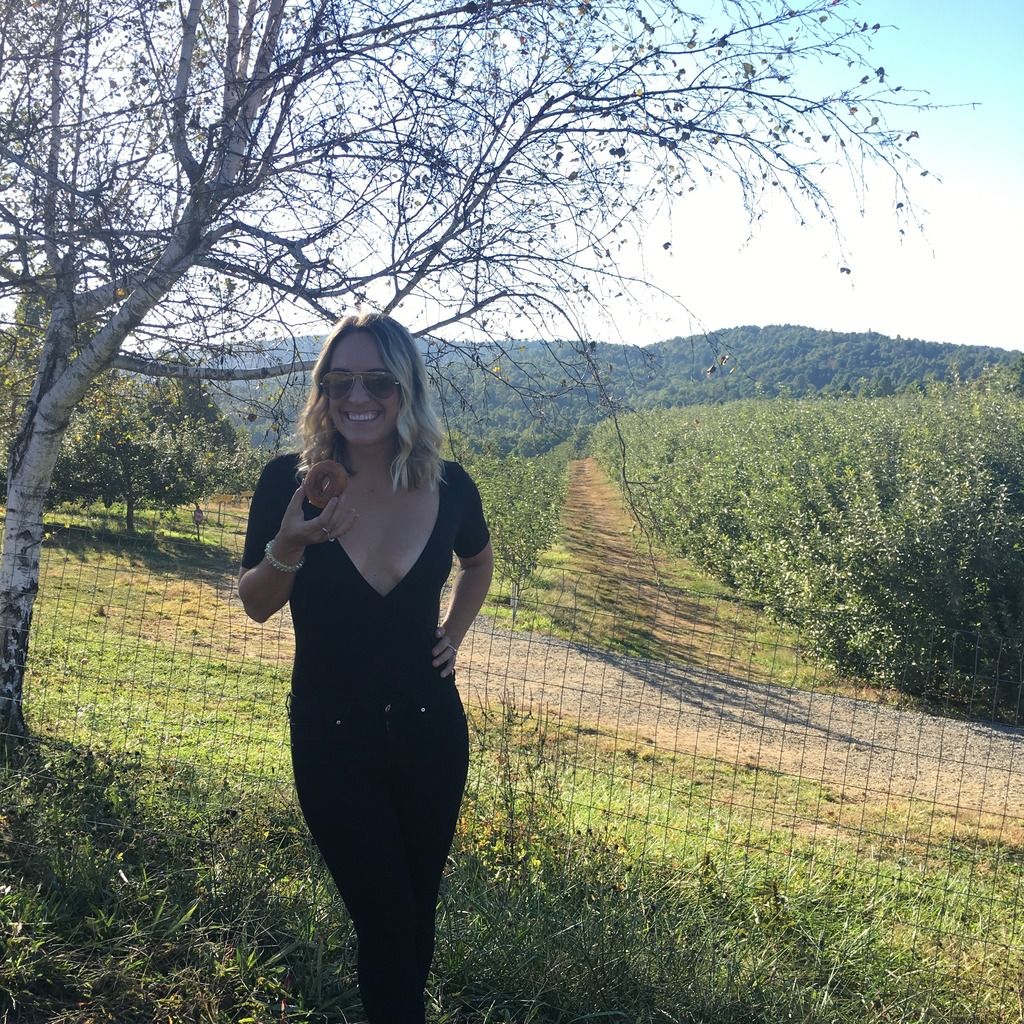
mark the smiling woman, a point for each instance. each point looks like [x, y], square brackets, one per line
[363, 403]
[378, 733]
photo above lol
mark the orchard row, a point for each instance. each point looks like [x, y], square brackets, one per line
[891, 530]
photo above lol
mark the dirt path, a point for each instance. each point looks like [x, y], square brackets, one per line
[597, 529]
[860, 749]
[635, 602]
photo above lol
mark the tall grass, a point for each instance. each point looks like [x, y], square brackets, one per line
[140, 894]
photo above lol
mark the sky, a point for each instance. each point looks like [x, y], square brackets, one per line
[955, 280]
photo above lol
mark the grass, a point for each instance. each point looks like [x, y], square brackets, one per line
[153, 866]
[152, 892]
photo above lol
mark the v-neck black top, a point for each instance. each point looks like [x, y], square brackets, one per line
[352, 643]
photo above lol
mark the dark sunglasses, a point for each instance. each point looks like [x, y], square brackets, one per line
[338, 384]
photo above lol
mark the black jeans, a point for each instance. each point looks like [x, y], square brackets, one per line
[380, 788]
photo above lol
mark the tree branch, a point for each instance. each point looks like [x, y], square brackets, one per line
[179, 108]
[184, 371]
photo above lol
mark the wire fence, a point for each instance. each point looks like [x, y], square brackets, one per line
[688, 734]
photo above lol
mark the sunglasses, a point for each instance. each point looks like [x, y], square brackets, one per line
[338, 384]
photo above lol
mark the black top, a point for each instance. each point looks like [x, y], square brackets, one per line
[353, 644]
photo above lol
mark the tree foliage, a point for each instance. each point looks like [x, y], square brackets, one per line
[724, 365]
[890, 529]
[523, 499]
[20, 345]
[150, 445]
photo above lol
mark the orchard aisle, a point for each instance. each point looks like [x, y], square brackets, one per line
[598, 530]
[861, 749]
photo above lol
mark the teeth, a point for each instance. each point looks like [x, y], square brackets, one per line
[362, 417]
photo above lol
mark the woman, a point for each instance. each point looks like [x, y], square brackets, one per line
[379, 742]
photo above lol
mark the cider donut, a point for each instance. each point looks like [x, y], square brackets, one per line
[325, 480]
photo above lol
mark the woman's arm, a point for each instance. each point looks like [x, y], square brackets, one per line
[468, 592]
[264, 589]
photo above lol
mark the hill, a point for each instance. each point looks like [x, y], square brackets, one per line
[530, 395]
[804, 361]
[742, 362]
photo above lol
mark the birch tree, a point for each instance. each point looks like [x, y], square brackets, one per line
[182, 179]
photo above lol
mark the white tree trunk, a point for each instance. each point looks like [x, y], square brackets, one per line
[59, 386]
[19, 569]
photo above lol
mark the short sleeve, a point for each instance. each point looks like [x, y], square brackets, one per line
[270, 499]
[472, 535]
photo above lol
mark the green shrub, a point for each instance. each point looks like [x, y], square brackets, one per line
[523, 500]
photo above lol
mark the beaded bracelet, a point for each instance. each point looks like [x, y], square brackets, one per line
[279, 565]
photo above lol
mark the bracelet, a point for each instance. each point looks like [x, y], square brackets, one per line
[279, 565]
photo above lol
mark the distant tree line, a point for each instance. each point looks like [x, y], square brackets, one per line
[723, 366]
[521, 397]
[755, 362]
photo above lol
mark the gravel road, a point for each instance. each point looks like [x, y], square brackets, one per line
[860, 748]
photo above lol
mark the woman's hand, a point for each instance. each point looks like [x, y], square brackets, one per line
[265, 588]
[468, 593]
[444, 653]
[297, 532]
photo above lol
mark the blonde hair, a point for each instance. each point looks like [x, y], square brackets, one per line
[418, 435]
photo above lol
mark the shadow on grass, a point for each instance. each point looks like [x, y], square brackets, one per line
[139, 888]
[207, 561]
[107, 855]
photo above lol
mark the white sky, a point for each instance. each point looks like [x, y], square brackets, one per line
[956, 282]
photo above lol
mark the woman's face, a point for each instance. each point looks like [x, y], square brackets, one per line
[361, 418]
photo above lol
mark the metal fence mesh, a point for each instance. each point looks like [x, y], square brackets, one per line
[688, 729]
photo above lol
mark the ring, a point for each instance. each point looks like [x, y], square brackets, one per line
[325, 532]
[452, 648]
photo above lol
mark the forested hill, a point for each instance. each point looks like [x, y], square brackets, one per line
[750, 361]
[740, 362]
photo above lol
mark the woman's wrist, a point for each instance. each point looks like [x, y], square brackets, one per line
[285, 557]
[454, 640]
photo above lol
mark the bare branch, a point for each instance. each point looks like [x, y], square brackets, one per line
[56, 138]
[157, 368]
[179, 109]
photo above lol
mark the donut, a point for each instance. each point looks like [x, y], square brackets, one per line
[325, 480]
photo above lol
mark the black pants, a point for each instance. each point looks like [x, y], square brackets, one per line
[380, 787]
